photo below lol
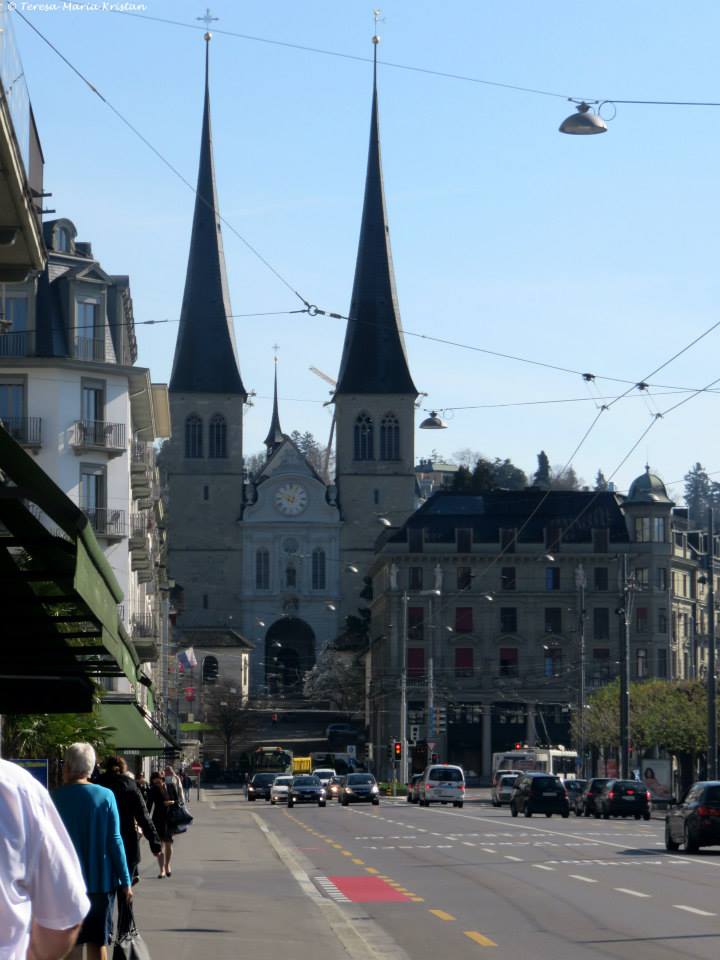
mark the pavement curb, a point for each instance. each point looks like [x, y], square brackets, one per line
[368, 942]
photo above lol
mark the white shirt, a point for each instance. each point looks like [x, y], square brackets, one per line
[40, 875]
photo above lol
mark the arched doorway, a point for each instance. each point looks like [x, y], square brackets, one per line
[289, 656]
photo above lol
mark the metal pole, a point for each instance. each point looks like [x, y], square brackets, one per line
[625, 676]
[431, 677]
[712, 764]
[581, 582]
[403, 691]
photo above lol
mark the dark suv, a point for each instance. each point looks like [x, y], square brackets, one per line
[539, 793]
[696, 821]
[259, 786]
[590, 794]
[623, 798]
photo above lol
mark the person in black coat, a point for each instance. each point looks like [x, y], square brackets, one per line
[163, 797]
[133, 813]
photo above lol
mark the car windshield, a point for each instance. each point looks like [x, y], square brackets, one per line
[282, 781]
[360, 778]
[629, 786]
[508, 781]
[306, 782]
[445, 774]
[261, 779]
[712, 794]
[597, 785]
[323, 773]
[545, 783]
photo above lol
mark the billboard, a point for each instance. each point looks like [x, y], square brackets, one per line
[657, 777]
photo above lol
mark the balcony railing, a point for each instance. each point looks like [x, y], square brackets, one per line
[90, 348]
[143, 625]
[106, 523]
[15, 343]
[99, 434]
[141, 454]
[26, 430]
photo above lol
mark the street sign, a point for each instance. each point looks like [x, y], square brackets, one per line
[351, 750]
[196, 767]
[431, 744]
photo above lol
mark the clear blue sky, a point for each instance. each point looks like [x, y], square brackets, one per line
[598, 254]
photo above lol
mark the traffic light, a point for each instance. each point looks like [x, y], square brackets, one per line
[397, 749]
[440, 719]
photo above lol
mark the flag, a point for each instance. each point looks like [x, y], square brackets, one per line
[187, 658]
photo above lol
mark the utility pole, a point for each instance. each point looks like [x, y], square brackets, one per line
[581, 583]
[628, 586]
[403, 689]
[712, 764]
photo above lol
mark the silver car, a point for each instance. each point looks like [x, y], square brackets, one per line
[501, 791]
[279, 789]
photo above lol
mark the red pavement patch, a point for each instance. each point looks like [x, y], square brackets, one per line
[367, 890]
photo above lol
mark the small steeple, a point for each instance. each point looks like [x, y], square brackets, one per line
[205, 353]
[275, 435]
[374, 359]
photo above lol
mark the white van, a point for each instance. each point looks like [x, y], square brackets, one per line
[442, 783]
[324, 774]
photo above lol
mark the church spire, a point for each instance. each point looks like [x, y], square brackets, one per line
[275, 435]
[205, 354]
[374, 359]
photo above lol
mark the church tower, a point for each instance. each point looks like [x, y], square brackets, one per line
[203, 462]
[375, 395]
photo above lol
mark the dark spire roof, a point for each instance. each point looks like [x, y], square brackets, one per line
[205, 357]
[374, 358]
[275, 435]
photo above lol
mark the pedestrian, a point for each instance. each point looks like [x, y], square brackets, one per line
[90, 815]
[143, 786]
[133, 813]
[163, 796]
[42, 890]
[172, 777]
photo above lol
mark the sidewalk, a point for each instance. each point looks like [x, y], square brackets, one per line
[230, 895]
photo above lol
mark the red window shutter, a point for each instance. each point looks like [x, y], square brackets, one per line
[464, 657]
[463, 620]
[416, 662]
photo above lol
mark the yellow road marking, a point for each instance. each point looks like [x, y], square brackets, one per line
[442, 915]
[338, 846]
[480, 938]
[355, 860]
[418, 899]
[346, 853]
[371, 870]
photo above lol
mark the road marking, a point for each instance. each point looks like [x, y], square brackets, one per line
[632, 893]
[515, 859]
[441, 915]
[360, 862]
[467, 843]
[480, 938]
[541, 866]
[346, 853]
[372, 870]
[700, 913]
[485, 849]
[578, 876]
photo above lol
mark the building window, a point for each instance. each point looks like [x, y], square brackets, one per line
[14, 335]
[416, 663]
[601, 623]
[600, 540]
[659, 528]
[650, 529]
[389, 437]
[552, 578]
[318, 569]
[205, 601]
[662, 670]
[509, 661]
[642, 578]
[415, 539]
[262, 569]
[206, 492]
[508, 538]
[415, 618]
[464, 578]
[93, 495]
[600, 664]
[464, 540]
[376, 497]
[661, 578]
[507, 578]
[463, 619]
[601, 578]
[553, 537]
[193, 437]
[415, 578]
[553, 619]
[464, 661]
[662, 621]
[508, 619]
[210, 669]
[89, 331]
[217, 437]
[552, 661]
[641, 663]
[12, 404]
[291, 575]
[641, 619]
[63, 242]
[364, 438]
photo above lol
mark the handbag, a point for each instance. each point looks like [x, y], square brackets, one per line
[179, 818]
[129, 945]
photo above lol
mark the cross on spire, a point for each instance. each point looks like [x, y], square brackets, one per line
[208, 18]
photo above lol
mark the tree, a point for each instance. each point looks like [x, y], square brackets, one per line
[254, 464]
[487, 475]
[564, 478]
[338, 677]
[600, 481]
[508, 476]
[228, 713]
[541, 477]
[698, 495]
[467, 457]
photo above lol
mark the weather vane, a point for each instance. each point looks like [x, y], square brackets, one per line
[208, 18]
[377, 18]
[276, 347]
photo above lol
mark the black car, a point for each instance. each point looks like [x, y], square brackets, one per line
[696, 821]
[590, 793]
[414, 787]
[575, 790]
[306, 789]
[360, 788]
[259, 786]
[539, 793]
[623, 798]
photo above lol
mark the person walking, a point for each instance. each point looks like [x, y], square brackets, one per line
[172, 777]
[90, 815]
[143, 786]
[42, 889]
[163, 796]
[133, 813]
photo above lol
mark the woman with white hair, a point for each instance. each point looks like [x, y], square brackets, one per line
[90, 815]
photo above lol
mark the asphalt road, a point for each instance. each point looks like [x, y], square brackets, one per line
[449, 883]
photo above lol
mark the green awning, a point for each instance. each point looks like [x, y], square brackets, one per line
[130, 730]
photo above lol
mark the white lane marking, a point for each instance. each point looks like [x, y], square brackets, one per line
[700, 913]
[541, 866]
[515, 859]
[488, 850]
[632, 893]
[467, 843]
[578, 876]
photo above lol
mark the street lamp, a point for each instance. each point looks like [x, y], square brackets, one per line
[433, 422]
[583, 122]
[626, 613]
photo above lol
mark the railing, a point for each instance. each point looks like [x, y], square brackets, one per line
[90, 348]
[141, 454]
[106, 523]
[26, 430]
[15, 343]
[99, 433]
[139, 524]
[143, 625]
[12, 77]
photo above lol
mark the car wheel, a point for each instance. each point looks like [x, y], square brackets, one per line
[321, 803]
[606, 815]
[586, 812]
[426, 803]
[251, 799]
[637, 816]
[376, 802]
[272, 801]
[290, 803]
[691, 843]
[548, 815]
[513, 810]
[409, 798]
[565, 815]
[646, 815]
[527, 812]
[345, 802]
[670, 844]
[460, 803]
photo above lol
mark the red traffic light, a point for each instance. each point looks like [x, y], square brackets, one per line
[397, 747]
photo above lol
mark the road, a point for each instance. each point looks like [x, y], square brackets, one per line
[456, 883]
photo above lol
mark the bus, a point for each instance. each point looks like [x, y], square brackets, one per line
[554, 760]
[272, 760]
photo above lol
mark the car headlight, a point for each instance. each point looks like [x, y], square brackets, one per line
[251, 789]
[348, 789]
[374, 788]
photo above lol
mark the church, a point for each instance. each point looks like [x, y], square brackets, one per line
[270, 566]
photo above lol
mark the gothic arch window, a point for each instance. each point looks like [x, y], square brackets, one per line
[364, 446]
[318, 569]
[217, 437]
[262, 569]
[193, 437]
[390, 437]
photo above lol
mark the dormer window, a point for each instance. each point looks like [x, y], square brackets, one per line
[63, 240]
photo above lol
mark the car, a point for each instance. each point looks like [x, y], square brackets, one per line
[360, 788]
[324, 774]
[504, 773]
[539, 793]
[623, 798]
[442, 783]
[591, 791]
[279, 788]
[695, 822]
[339, 731]
[413, 788]
[333, 788]
[259, 786]
[501, 791]
[575, 790]
[306, 788]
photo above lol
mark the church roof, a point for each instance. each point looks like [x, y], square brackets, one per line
[374, 359]
[205, 354]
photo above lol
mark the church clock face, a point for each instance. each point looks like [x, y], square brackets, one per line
[291, 499]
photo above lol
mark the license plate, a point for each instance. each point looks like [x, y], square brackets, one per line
[549, 793]
[629, 798]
